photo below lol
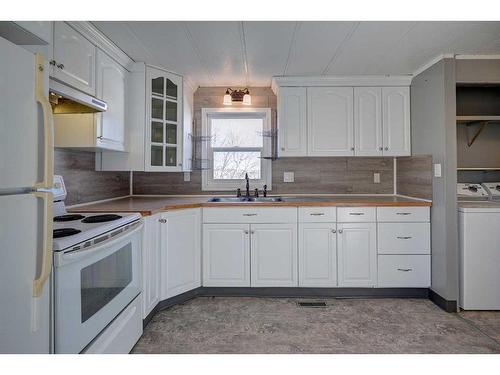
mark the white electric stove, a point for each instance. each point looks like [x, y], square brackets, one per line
[97, 279]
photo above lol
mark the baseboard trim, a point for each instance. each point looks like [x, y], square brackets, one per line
[317, 292]
[446, 305]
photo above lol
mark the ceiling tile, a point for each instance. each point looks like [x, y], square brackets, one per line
[315, 44]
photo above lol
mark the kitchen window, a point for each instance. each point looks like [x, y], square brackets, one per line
[236, 143]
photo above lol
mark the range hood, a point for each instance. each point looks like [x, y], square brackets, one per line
[65, 99]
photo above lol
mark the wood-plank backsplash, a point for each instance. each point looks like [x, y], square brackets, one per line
[85, 184]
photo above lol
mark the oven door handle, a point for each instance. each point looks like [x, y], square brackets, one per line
[62, 259]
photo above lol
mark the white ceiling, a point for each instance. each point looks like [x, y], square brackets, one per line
[250, 53]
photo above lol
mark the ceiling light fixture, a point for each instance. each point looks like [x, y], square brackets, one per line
[242, 96]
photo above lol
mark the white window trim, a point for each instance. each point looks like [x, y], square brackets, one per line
[207, 183]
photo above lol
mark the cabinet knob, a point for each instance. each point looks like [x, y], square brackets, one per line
[282, 149]
[352, 148]
[252, 232]
[334, 231]
[340, 230]
[163, 221]
[380, 148]
[246, 232]
[60, 66]
[386, 149]
[52, 62]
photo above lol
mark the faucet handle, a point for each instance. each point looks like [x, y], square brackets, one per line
[256, 193]
[238, 192]
[265, 190]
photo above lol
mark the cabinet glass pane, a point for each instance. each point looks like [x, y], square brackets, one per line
[171, 111]
[157, 86]
[157, 155]
[157, 108]
[171, 89]
[156, 132]
[171, 156]
[171, 133]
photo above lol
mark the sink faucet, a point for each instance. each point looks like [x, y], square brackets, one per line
[247, 186]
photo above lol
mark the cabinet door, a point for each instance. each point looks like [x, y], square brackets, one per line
[226, 255]
[330, 121]
[181, 252]
[396, 121]
[163, 121]
[75, 58]
[151, 262]
[368, 121]
[111, 89]
[292, 121]
[357, 255]
[317, 255]
[274, 255]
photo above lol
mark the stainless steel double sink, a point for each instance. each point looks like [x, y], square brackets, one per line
[266, 199]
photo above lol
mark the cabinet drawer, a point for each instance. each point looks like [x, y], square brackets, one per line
[403, 214]
[317, 214]
[355, 214]
[404, 271]
[250, 215]
[404, 238]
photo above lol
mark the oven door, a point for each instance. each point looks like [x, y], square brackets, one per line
[92, 286]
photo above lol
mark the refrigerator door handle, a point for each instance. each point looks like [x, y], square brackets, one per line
[48, 126]
[46, 267]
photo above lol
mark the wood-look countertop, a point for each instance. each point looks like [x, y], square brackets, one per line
[149, 205]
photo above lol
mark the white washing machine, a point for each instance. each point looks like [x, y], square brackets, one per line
[479, 237]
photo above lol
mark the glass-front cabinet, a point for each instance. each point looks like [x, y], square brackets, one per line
[163, 121]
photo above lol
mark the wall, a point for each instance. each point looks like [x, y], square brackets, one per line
[312, 175]
[83, 183]
[433, 117]
[414, 176]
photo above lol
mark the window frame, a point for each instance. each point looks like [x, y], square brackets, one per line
[211, 184]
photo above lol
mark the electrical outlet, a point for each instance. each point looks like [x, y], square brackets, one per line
[437, 170]
[376, 178]
[288, 176]
[187, 176]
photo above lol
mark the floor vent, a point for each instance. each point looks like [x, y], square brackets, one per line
[311, 304]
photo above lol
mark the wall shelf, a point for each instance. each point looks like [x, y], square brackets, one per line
[472, 119]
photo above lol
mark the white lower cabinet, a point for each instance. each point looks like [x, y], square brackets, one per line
[180, 233]
[151, 250]
[226, 255]
[317, 255]
[404, 271]
[357, 254]
[273, 255]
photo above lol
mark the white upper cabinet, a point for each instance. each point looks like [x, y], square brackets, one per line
[330, 121]
[111, 89]
[357, 254]
[74, 59]
[368, 121]
[292, 121]
[396, 121]
[164, 135]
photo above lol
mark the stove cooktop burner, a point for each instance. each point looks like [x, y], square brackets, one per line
[101, 218]
[68, 217]
[65, 232]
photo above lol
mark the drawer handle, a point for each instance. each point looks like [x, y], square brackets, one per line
[405, 269]
[317, 214]
[403, 237]
[403, 213]
[249, 214]
[356, 213]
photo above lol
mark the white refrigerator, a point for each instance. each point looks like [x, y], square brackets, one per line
[26, 168]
